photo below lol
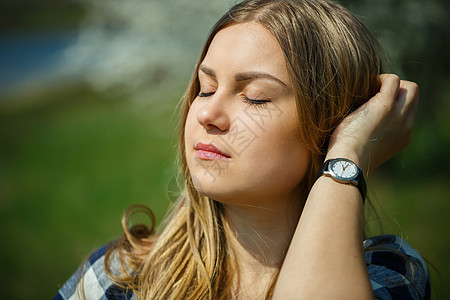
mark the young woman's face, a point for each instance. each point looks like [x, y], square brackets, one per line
[241, 134]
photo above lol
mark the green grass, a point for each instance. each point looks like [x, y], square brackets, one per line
[71, 162]
[67, 172]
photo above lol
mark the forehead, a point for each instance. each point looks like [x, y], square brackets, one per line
[246, 47]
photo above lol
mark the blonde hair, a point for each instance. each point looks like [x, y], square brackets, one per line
[333, 63]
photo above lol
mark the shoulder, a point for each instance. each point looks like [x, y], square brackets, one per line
[396, 270]
[92, 280]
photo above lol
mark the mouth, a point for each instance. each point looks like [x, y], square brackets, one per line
[209, 152]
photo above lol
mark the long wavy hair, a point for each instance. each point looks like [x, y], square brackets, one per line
[333, 63]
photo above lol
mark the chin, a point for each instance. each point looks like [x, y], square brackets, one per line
[217, 190]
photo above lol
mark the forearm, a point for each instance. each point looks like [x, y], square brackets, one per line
[325, 259]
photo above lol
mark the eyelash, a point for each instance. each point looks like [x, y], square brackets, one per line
[251, 102]
[201, 94]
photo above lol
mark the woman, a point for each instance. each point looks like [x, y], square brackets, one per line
[280, 88]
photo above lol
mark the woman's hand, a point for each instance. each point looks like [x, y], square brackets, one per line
[380, 128]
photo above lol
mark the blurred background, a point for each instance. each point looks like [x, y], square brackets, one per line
[88, 91]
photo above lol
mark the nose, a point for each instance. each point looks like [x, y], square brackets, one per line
[213, 114]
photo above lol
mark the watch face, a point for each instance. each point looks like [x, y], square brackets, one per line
[344, 169]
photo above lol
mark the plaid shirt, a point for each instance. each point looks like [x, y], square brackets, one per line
[390, 274]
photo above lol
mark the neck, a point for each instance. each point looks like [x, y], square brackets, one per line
[260, 232]
[260, 237]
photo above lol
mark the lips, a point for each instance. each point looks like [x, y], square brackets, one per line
[209, 152]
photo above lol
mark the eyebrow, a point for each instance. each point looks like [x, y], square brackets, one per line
[245, 75]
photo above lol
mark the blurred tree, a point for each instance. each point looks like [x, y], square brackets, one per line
[24, 15]
[416, 38]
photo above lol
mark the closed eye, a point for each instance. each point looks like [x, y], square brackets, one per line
[254, 101]
[247, 100]
[201, 94]
[259, 103]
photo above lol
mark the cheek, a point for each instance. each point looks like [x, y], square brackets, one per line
[280, 159]
[289, 151]
[190, 123]
[190, 126]
[290, 160]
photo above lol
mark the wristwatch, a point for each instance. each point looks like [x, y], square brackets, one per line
[345, 171]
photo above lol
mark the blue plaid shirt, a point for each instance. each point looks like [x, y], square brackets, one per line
[390, 274]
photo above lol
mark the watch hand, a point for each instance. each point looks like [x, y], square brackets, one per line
[344, 166]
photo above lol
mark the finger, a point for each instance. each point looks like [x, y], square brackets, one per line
[409, 95]
[411, 115]
[400, 100]
[390, 84]
[409, 91]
